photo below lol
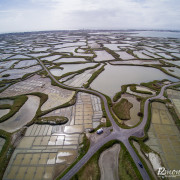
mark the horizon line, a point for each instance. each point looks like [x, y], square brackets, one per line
[84, 29]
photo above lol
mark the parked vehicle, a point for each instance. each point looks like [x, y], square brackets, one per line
[91, 130]
[100, 131]
[140, 164]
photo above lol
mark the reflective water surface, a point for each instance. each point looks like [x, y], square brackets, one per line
[113, 77]
[23, 116]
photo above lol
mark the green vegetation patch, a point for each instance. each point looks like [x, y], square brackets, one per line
[52, 120]
[134, 89]
[79, 71]
[154, 85]
[5, 106]
[6, 75]
[118, 94]
[115, 55]
[122, 109]
[2, 85]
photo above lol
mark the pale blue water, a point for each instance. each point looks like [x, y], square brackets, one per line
[164, 34]
[112, 78]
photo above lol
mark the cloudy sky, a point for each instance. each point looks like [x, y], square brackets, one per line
[35, 15]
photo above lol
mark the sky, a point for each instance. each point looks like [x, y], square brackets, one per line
[39, 15]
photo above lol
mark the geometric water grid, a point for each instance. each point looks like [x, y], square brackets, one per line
[45, 150]
[164, 136]
[42, 154]
[86, 113]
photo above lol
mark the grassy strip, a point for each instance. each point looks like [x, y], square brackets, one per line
[134, 89]
[127, 167]
[129, 51]
[2, 85]
[68, 78]
[91, 168]
[146, 149]
[174, 116]
[28, 75]
[6, 75]
[122, 109]
[166, 72]
[5, 106]
[118, 95]
[155, 85]
[43, 98]
[94, 75]
[174, 87]
[43, 73]
[108, 122]
[18, 103]
[147, 126]
[6, 152]
[82, 152]
[116, 56]
[79, 71]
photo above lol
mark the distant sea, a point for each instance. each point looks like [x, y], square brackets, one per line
[164, 34]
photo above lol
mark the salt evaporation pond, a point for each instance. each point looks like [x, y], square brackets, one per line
[70, 60]
[51, 58]
[174, 62]
[3, 112]
[112, 78]
[23, 116]
[19, 73]
[7, 64]
[25, 63]
[6, 101]
[70, 68]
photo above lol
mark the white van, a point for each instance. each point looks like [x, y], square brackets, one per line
[100, 131]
